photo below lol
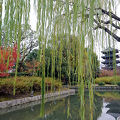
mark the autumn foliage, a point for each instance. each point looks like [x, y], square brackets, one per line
[104, 73]
[33, 66]
[8, 57]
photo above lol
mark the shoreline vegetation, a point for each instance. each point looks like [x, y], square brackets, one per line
[25, 86]
[109, 95]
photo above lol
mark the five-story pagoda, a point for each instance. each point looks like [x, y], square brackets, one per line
[110, 58]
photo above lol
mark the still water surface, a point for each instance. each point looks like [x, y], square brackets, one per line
[106, 107]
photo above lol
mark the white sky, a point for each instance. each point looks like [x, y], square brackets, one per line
[33, 14]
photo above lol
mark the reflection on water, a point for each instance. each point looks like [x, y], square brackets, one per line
[106, 107]
[111, 106]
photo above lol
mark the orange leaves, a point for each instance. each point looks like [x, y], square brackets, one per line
[32, 66]
[8, 57]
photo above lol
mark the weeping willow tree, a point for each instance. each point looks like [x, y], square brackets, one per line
[82, 18]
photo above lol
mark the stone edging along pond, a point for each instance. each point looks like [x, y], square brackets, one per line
[106, 88]
[98, 88]
[16, 102]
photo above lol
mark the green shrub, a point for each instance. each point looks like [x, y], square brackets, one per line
[113, 83]
[20, 74]
[101, 84]
[24, 85]
[118, 83]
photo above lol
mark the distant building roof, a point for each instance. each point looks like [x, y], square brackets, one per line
[109, 56]
[110, 61]
[110, 50]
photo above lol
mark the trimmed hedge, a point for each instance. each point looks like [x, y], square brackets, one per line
[108, 80]
[118, 83]
[101, 83]
[24, 85]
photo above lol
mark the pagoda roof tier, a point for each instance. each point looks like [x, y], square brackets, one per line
[110, 62]
[109, 56]
[110, 50]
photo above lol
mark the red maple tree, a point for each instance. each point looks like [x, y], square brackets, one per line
[8, 57]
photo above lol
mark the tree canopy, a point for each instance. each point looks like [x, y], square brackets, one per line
[56, 19]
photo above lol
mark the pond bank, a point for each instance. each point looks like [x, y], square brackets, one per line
[16, 102]
[98, 88]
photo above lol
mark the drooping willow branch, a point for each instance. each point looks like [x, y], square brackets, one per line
[1, 21]
[105, 12]
[102, 24]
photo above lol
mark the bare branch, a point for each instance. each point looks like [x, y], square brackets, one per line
[110, 14]
[108, 22]
[114, 25]
[96, 28]
[107, 30]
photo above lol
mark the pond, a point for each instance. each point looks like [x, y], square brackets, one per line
[106, 107]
